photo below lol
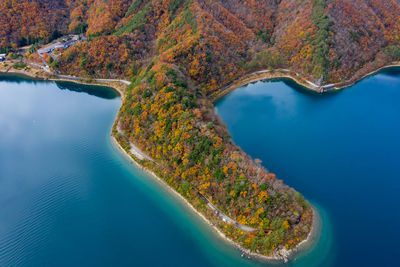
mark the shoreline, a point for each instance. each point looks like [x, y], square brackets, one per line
[267, 75]
[279, 258]
[263, 75]
[257, 76]
[349, 83]
[38, 74]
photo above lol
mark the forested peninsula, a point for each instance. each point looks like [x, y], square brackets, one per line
[180, 55]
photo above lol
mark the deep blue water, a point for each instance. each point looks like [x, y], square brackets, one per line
[68, 197]
[340, 150]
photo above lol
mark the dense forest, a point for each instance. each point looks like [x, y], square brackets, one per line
[214, 41]
[179, 52]
[176, 125]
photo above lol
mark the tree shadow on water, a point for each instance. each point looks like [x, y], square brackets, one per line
[94, 90]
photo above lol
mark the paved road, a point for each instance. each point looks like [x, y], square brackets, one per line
[113, 80]
[225, 218]
[74, 78]
[45, 68]
[140, 155]
[134, 149]
[69, 77]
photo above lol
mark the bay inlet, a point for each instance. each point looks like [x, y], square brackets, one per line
[338, 149]
[69, 197]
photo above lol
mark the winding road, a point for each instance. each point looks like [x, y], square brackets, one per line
[134, 149]
[225, 218]
[140, 155]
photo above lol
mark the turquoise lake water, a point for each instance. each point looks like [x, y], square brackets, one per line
[341, 150]
[68, 197]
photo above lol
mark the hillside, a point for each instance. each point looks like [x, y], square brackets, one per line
[178, 53]
[214, 41]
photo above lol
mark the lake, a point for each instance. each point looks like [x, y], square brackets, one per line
[341, 150]
[68, 197]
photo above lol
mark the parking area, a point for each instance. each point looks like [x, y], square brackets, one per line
[64, 43]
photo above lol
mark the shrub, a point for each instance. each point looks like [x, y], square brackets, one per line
[19, 65]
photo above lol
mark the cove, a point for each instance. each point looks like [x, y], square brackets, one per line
[69, 197]
[341, 150]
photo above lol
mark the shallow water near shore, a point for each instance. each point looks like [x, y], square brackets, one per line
[339, 149]
[68, 197]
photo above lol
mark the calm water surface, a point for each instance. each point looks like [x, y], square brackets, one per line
[340, 150]
[69, 198]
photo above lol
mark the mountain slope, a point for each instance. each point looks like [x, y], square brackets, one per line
[336, 39]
